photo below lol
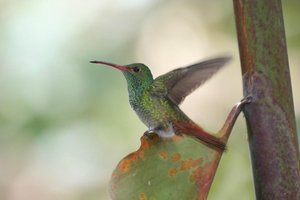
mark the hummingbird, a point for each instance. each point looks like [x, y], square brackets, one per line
[156, 101]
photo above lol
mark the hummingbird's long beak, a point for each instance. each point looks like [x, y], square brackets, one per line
[120, 67]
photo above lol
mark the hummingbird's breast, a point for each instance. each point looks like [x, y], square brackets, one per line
[155, 111]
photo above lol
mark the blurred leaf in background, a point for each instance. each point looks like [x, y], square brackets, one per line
[65, 124]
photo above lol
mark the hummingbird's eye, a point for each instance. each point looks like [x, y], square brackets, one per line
[136, 69]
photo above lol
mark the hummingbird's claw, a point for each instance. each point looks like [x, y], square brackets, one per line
[149, 134]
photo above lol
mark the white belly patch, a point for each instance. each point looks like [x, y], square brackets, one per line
[166, 132]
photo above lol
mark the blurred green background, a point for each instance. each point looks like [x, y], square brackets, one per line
[65, 124]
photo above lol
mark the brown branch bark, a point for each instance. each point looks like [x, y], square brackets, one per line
[270, 117]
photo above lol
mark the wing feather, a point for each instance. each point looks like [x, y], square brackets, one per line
[179, 83]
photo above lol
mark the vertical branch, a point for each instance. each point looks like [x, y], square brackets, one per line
[270, 118]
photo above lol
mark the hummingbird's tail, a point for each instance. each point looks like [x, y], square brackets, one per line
[194, 130]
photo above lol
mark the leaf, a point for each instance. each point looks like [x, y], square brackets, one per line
[177, 168]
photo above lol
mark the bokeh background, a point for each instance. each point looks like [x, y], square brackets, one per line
[65, 124]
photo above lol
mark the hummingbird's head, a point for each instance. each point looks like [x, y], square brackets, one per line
[138, 75]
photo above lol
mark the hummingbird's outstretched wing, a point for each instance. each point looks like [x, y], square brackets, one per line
[179, 83]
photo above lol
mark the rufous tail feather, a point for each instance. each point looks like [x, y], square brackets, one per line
[194, 130]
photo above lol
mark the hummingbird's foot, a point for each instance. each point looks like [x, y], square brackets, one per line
[150, 134]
